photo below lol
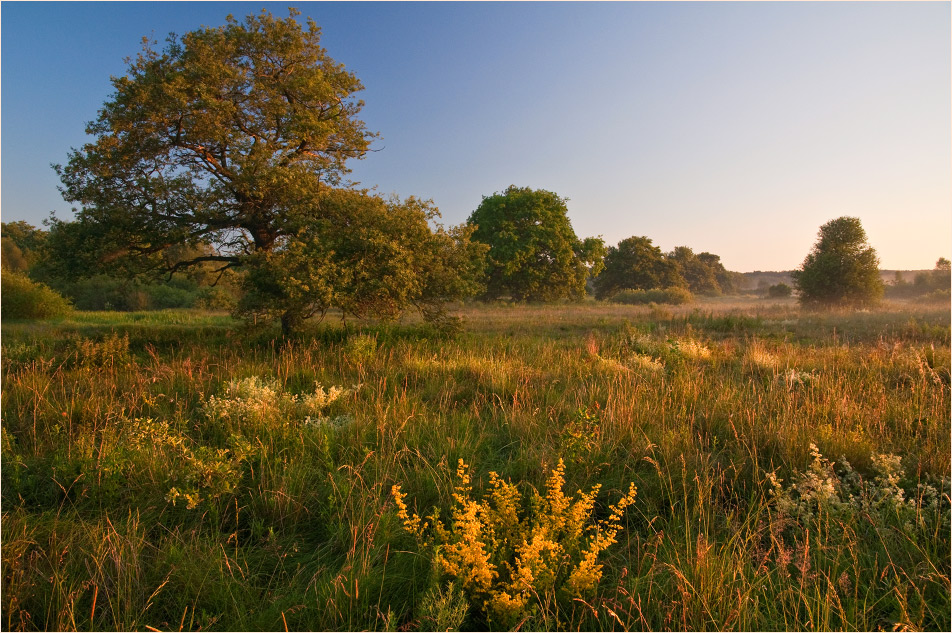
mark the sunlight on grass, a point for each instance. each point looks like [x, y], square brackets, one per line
[168, 470]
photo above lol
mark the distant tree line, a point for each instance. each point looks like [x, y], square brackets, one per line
[26, 252]
[636, 264]
[934, 284]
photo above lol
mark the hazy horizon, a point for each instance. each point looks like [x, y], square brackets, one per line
[732, 128]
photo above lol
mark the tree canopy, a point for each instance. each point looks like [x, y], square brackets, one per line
[841, 269]
[367, 257]
[235, 138]
[534, 254]
[635, 264]
[699, 271]
[21, 245]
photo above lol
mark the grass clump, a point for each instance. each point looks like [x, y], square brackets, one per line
[511, 562]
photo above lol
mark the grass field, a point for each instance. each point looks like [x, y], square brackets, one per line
[173, 471]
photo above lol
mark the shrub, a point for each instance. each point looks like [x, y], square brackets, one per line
[23, 298]
[505, 558]
[779, 291]
[102, 292]
[938, 295]
[110, 351]
[167, 296]
[673, 296]
[256, 398]
[361, 348]
[216, 298]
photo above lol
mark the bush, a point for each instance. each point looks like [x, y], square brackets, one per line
[944, 294]
[673, 296]
[23, 298]
[779, 291]
[216, 298]
[511, 558]
[102, 292]
[168, 296]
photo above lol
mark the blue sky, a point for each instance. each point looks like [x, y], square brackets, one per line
[733, 128]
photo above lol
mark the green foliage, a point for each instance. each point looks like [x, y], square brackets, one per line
[699, 271]
[534, 254]
[276, 119]
[779, 291]
[673, 296]
[105, 292]
[22, 244]
[842, 269]
[12, 257]
[253, 181]
[361, 348]
[23, 298]
[367, 257]
[728, 282]
[579, 437]
[635, 264]
[109, 352]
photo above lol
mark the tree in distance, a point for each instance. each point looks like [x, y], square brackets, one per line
[698, 270]
[534, 254]
[779, 291]
[635, 264]
[842, 269]
[728, 281]
[942, 274]
[235, 137]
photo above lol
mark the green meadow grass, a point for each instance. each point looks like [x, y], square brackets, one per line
[175, 471]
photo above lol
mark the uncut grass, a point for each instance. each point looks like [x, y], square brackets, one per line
[295, 525]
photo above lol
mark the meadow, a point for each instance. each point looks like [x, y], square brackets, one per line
[176, 471]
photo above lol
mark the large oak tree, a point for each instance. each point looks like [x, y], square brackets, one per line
[235, 137]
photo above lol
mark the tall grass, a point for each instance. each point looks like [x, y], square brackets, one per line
[176, 472]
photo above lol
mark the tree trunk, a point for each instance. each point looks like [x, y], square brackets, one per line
[291, 322]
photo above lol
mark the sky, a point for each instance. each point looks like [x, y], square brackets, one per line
[733, 128]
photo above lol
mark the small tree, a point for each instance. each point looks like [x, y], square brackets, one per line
[842, 268]
[534, 254]
[21, 245]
